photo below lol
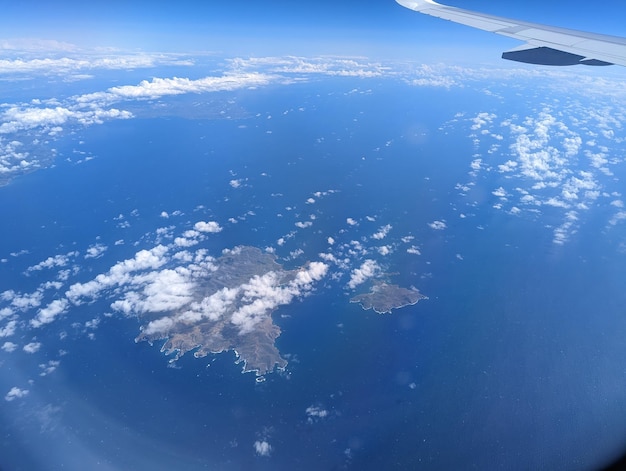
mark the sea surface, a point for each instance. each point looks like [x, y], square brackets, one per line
[515, 361]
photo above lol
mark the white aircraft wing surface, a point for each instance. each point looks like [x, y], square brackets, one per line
[546, 45]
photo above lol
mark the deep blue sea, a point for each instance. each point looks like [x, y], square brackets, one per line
[516, 360]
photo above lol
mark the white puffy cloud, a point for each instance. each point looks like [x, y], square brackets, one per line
[23, 301]
[32, 347]
[95, 251]
[263, 294]
[368, 269]
[382, 232]
[15, 393]
[316, 412]
[210, 226]
[49, 367]
[343, 67]
[618, 217]
[160, 87]
[500, 193]
[211, 307]
[9, 347]
[441, 81]
[157, 291]
[262, 448]
[50, 312]
[481, 120]
[562, 233]
[52, 262]
[185, 242]
[9, 329]
[161, 326]
[119, 274]
[437, 225]
[19, 118]
[384, 250]
[68, 65]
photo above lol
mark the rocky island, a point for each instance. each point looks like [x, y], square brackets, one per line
[384, 297]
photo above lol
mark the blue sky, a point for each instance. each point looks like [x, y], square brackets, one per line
[280, 26]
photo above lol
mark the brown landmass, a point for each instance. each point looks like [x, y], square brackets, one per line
[384, 297]
[256, 349]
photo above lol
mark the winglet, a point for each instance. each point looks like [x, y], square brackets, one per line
[418, 5]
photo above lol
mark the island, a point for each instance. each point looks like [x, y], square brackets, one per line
[232, 309]
[384, 297]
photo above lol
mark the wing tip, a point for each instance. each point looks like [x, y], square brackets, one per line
[418, 5]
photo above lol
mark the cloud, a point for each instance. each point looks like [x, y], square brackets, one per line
[9, 347]
[342, 67]
[382, 232]
[482, 119]
[162, 326]
[316, 412]
[96, 251]
[158, 291]
[49, 313]
[49, 367]
[444, 82]
[262, 448]
[351, 222]
[185, 242]
[161, 87]
[32, 347]
[563, 232]
[52, 262]
[500, 193]
[211, 307]
[437, 225]
[414, 250]
[368, 269]
[557, 160]
[23, 301]
[72, 65]
[618, 217]
[9, 329]
[210, 226]
[21, 118]
[263, 294]
[15, 393]
[119, 274]
[384, 250]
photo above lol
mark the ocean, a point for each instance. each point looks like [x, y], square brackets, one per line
[514, 360]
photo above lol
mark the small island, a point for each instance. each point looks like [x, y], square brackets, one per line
[384, 297]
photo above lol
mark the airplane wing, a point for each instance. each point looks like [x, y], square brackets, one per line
[545, 45]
